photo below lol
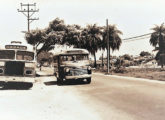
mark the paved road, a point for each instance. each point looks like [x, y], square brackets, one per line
[126, 99]
[106, 98]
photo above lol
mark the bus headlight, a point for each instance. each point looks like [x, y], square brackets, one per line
[89, 70]
[67, 70]
[89, 67]
[29, 72]
[1, 71]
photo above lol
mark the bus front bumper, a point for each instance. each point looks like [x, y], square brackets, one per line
[79, 76]
[17, 79]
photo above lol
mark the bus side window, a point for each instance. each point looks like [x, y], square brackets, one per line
[66, 58]
[74, 58]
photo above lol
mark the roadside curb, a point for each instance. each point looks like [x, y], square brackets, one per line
[133, 78]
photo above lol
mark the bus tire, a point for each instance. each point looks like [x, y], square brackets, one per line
[88, 80]
[60, 81]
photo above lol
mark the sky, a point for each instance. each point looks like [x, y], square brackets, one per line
[132, 17]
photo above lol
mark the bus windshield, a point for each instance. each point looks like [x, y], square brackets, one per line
[74, 57]
[7, 54]
[25, 55]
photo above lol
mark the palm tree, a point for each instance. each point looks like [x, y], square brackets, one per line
[114, 38]
[91, 37]
[158, 40]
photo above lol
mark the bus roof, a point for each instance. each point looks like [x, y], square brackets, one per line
[72, 52]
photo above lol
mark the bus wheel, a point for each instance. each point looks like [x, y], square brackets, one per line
[60, 81]
[88, 80]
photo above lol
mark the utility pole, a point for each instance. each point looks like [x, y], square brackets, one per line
[28, 10]
[162, 49]
[108, 48]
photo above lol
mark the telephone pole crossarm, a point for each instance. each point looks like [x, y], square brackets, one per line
[31, 20]
[28, 4]
[28, 10]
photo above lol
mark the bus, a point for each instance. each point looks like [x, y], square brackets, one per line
[17, 65]
[72, 64]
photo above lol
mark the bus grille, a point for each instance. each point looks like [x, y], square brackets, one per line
[78, 71]
[13, 68]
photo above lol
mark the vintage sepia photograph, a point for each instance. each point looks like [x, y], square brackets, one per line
[82, 60]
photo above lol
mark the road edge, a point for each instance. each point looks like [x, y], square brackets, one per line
[132, 78]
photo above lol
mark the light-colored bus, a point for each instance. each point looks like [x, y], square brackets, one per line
[72, 64]
[17, 64]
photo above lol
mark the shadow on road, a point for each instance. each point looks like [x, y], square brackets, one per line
[67, 83]
[38, 75]
[74, 82]
[15, 85]
[51, 83]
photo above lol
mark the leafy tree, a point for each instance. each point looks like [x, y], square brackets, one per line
[119, 62]
[127, 57]
[92, 37]
[48, 37]
[57, 25]
[143, 53]
[35, 37]
[72, 36]
[157, 40]
[44, 56]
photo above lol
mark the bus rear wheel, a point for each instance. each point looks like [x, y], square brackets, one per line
[88, 80]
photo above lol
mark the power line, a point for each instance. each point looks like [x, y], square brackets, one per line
[130, 40]
[136, 39]
[28, 12]
[137, 36]
[140, 37]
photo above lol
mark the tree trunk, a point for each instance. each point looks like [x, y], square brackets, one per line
[37, 45]
[102, 61]
[94, 59]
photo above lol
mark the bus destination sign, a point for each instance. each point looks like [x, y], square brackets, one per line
[20, 47]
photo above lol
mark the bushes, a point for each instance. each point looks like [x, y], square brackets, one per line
[120, 70]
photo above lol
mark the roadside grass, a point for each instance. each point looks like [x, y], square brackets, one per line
[149, 73]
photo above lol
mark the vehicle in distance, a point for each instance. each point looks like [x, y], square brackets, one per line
[72, 64]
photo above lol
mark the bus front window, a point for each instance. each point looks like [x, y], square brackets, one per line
[81, 57]
[74, 57]
[25, 55]
[7, 54]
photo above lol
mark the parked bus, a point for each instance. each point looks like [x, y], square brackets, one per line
[72, 64]
[17, 65]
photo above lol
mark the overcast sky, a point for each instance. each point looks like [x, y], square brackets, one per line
[132, 17]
